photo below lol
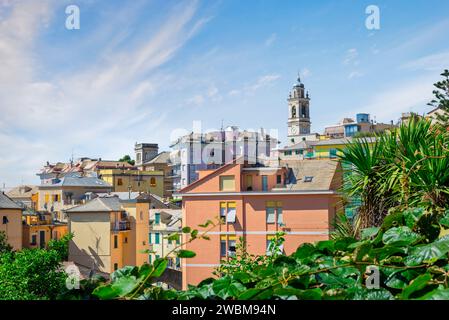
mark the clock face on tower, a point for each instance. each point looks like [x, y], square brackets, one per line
[294, 130]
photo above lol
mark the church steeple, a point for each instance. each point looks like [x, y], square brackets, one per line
[299, 116]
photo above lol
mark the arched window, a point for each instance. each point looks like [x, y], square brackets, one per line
[153, 182]
[293, 112]
[303, 112]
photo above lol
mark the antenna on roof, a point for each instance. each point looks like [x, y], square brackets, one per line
[222, 124]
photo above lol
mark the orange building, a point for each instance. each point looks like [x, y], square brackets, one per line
[39, 228]
[299, 198]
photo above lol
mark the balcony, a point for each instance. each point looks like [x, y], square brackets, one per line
[120, 225]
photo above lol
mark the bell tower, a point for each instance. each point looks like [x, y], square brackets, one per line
[298, 113]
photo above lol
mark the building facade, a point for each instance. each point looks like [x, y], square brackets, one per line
[208, 151]
[109, 233]
[39, 228]
[126, 180]
[11, 221]
[165, 219]
[299, 198]
[160, 163]
[59, 194]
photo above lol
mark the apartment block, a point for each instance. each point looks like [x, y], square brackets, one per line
[255, 202]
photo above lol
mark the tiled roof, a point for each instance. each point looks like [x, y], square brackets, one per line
[7, 203]
[162, 157]
[23, 191]
[301, 145]
[105, 204]
[321, 171]
[78, 181]
[344, 141]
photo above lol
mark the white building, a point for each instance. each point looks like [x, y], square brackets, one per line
[206, 151]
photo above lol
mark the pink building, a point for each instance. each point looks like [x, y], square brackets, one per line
[299, 198]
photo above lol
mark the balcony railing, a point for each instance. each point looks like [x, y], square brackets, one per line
[120, 226]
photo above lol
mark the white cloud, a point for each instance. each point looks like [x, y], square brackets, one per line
[270, 40]
[411, 96]
[351, 57]
[305, 73]
[196, 100]
[106, 103]
[263, 82]
[355, 74]
[434, 62]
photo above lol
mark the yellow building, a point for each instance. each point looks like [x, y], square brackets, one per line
[39, 228]
[11, 221]
[124, 180]
[322, 149]
[58, 195]
[109, 233]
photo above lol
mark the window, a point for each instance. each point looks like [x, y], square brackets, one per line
[141, 215]
[149, 238]
[126, 240]
[115, 242]
[280, 215]
[115, 266]
[120, 182]
[56, 197]
[308, 178]
[139, 155]
[157, 218]
[223, 248]
[230, 218]
[333, 153]
[152, 182]
[33, 239]
[223, 210]
[157, 238]
[231, 247]
[274, 212]
[178, 263]
[150, 258]
[280, 249]
[264, 183]
[278, 179]
[228, 211]
[157, 256]
[227, 183]
[288, 153]
[249, 182]
[270, 214]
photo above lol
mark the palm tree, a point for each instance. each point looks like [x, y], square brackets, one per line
[407, 167]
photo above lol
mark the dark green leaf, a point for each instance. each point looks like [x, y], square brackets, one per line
[186, 254]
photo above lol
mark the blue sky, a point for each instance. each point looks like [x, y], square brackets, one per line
[143, 71]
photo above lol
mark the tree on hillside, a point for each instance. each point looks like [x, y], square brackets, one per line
[128, 159]
[441, 99]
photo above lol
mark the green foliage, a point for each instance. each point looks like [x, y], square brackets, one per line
[61, 246]
[413, 264]
[243, 261]
[5, 247]
[403, 168]
[441, 99]
[31, 274]
[128, 159]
